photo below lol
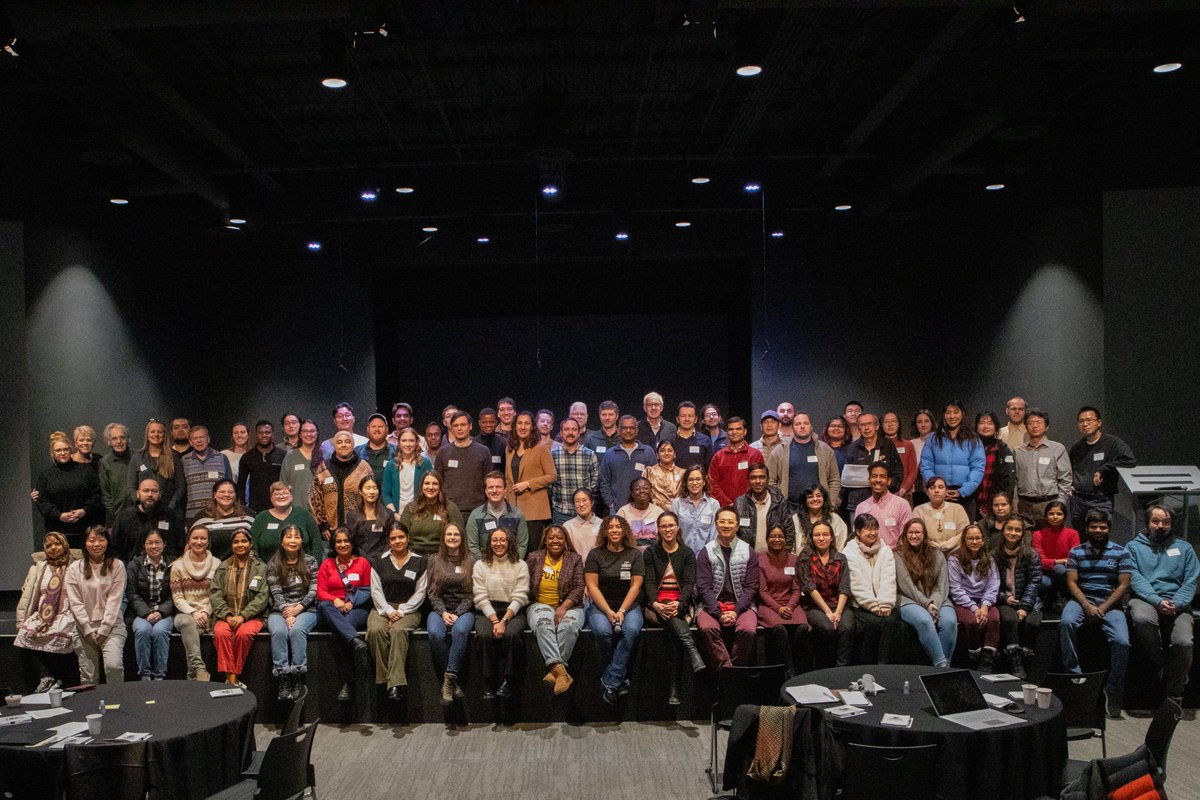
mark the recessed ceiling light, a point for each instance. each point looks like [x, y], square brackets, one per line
[752, 186]
[1170, 66]
[776, 234]
[749, 70]
[683, 223]
[119, 201]
[622, 236]
[700, 179]
[843, 207]
[404, 190]
[430, 229]
[368, 195]
[994, 187]
[483, 239]
[333, 83]
[549, 190]
[232, 228]
[314, 247]
[237, 220]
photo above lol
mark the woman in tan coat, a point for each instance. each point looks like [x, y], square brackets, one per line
[528, 472]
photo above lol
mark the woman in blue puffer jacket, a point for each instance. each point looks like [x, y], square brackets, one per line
[955, 454]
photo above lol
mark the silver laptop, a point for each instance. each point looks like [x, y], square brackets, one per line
[956, 698]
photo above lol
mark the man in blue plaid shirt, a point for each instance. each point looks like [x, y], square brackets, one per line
[577, 469]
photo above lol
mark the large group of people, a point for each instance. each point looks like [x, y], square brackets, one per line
[825, 544]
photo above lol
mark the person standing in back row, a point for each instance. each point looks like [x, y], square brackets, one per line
[1094, 462]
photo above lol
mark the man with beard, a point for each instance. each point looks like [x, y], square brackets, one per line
[787, 416]
[491, 438]
[147, 513]
[259, 468]
[577, 468]
[181, 436]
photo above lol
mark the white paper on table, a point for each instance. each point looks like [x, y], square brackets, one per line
[897, 720]
[130, 736]
[15, 719]
[225, 692]
[854, 476]
[996, 701]
[1018, 696]
[811, 693]
[81, 738]
[997, 677]
[854, 698]
[46, 713]
[842, 712]
[41, 698]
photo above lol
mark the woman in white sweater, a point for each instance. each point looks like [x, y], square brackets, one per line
[501, 581]
[95, 586]
[872, 591]
[191, 585]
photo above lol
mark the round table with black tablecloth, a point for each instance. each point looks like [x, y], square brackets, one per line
[198, 744]
[1010, 763]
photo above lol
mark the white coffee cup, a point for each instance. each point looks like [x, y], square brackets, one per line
[12, 700]
[1043, 698]
[95, 723]
[1030, 692]
[868, 681]
[55, 698]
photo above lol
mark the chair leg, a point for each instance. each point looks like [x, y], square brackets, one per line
[1103, 745]
[712, 758]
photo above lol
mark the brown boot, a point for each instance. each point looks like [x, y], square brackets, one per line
[562, 679]
[549, 676]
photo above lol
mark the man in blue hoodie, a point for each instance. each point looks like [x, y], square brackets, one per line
[1165, 571]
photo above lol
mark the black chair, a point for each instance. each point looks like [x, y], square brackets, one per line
[291, 726]
[285, 770]
[737, 686]
[1082, 696]
[1162, 728]
[887, 772]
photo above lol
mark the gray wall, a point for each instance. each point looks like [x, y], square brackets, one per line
[1152, 332]
[16, 530]
[905, 315]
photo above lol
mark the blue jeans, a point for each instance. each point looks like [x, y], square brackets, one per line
[938, 639]
[294, 640]
[1054, 584]
[617, 658]
[345, 627]
[449, 658]
[1116, 631]
[151, 642]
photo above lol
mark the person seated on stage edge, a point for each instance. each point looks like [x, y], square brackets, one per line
[726, 582]
[239, 597]
[1053, 543]
[556, 613]
[399, 581]
[778, 601]
[1099, 573]
[343, 600]
[95, 586]
[872, 590]
[451, 593]
[191, 587]
[613, 573]
[149, 610]
[292, 578]
[46, 630]
[1020, 605]
[669, 588]
[924, 588]
[944, 521]
[501, 581]
[1165, 571]
[974, 587]
[825, 589]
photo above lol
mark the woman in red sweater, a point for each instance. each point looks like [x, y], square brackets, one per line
[343, 601]
[779, 610]
[1052, 544]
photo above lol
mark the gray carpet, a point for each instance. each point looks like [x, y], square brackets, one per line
[604, 762]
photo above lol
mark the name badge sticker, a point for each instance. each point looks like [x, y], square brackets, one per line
[789, 570]
[1008, 459]
[890, 521]
[452, 463]
[601, 449]
[297, 467]
[254, 582]
[495, 459]
[272, 526]
[490, 525]
[437, 517]
[295, 580]
[901, 450]
[1043, 459]
[142, 468]
[212, 474]
[351, 576]
[163, 525]
[812, 459]
[1174, 551]
[457, 569]
[328, 480]
[744, 522]
[706, 519]
[640, 467]
[411, 574]
[951, 526]
[743, 465]
[549, 571]
[1097, 456]
[626, 575]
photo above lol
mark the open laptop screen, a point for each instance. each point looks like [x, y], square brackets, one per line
[953, 692]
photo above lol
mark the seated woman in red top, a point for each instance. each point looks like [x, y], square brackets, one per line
[343, 602]
[825, 590]
[778, 601]
[1052, 544]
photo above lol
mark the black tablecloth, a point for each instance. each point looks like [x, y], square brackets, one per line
[1011, 763]
[198, 744]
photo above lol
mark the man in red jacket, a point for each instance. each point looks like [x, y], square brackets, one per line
[729, 472]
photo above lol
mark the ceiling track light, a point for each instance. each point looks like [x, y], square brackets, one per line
[335, 60]
[843, 207]
[994, 187]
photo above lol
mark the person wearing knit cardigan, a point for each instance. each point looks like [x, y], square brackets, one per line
[501, 581]
[191, 586]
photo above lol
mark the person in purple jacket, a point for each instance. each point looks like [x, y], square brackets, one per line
[974, 586]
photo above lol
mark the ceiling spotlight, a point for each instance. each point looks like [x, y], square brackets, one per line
[843, 207]
[748, 50]
[550, 190]
[994, 187]
[483, 240]
[237, 220]
[752, 186]
[368, 195]
[683, 223]
[776, 234]
[1018, 14]
[430, 229]
[404, 190]
[10, 47]
[749, 70]
[622, 236]
[700, 180]
[232, 228]
[314, 247]
[335, 63]
[119, 200]
[1170, 66]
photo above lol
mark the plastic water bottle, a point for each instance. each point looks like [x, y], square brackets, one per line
[906, 690]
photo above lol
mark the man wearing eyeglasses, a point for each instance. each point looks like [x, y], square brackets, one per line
[1094, 461]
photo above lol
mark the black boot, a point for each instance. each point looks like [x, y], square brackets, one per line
[695, 660]
[673, 694]
[344, 693]
[987, 660]
[284, 680]
[298, 687]
[1015, 665]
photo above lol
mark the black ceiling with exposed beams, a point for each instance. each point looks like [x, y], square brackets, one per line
[900, 109]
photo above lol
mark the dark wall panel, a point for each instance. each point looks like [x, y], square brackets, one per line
[16, 534]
